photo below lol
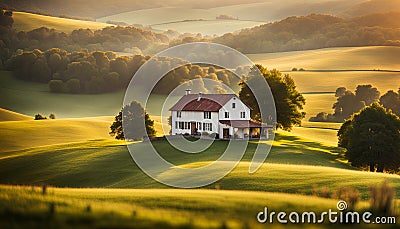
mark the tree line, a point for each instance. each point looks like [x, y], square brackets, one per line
[314, 31]
[99, 72]
[349, 103]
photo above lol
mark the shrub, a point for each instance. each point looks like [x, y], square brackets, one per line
[381, 199]
[52, 116]
[350, 195]
[56, 86]
[40, 117]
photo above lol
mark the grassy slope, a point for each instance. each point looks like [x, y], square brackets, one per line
[27, 21]
[31, 98]
[209, 27]
[19, 135]
[362, 58]
[144, 208]
[6, 115]
[290, 161]
[262, 11]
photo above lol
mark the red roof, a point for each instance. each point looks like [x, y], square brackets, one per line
[242, 123]
[207, 102]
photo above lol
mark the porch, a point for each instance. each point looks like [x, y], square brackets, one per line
[243, 129]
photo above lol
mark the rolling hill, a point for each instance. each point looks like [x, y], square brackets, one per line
[333, 59]
[261, 11]
[292, 158]
[17, 135]
[27, 21]
[6, 115]
[254, 8]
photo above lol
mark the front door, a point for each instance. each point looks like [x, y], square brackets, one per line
[225, 132]
[193, 128]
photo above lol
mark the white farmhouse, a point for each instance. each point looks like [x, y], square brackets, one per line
[224, 115]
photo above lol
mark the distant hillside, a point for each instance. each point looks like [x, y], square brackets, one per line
[374, 6]
[100, 8]
[313, 32]
[27, 21]
[387, 20]
[6, 115]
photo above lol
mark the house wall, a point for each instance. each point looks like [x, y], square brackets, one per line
[234, 113]
[194, 116]
[221, 130]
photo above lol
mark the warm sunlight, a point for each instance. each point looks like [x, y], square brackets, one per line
[199, 114]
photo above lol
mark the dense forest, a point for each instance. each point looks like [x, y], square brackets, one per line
[117, 39]
[99, 72]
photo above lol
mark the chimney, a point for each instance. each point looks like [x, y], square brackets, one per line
[187, 92]
[200, 94]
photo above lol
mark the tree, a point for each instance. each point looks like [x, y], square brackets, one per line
[132, 116]
[288, 101]
[372, 138]
[346, 105]
[40, 117]
[391, 100]
[52, 116]
[367, 93]
[74, 85]
[340, 91]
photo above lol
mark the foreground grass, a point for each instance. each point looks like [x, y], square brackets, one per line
[146, 208]
[27, 21]
[295, 165]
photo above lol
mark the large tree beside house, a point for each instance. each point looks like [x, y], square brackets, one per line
[288, 101]
[372, 138]
[133, 116]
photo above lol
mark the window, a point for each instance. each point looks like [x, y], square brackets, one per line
[179, 114]
[226, 114]
[242, 114]
[199, 126]
[233, 105]
[207, 114]
[183, 125]
[207, 126]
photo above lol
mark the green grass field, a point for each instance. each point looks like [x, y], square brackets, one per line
[27, 21]
[107, 164]
[146, 208]
[19, 135]
[30, 98]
